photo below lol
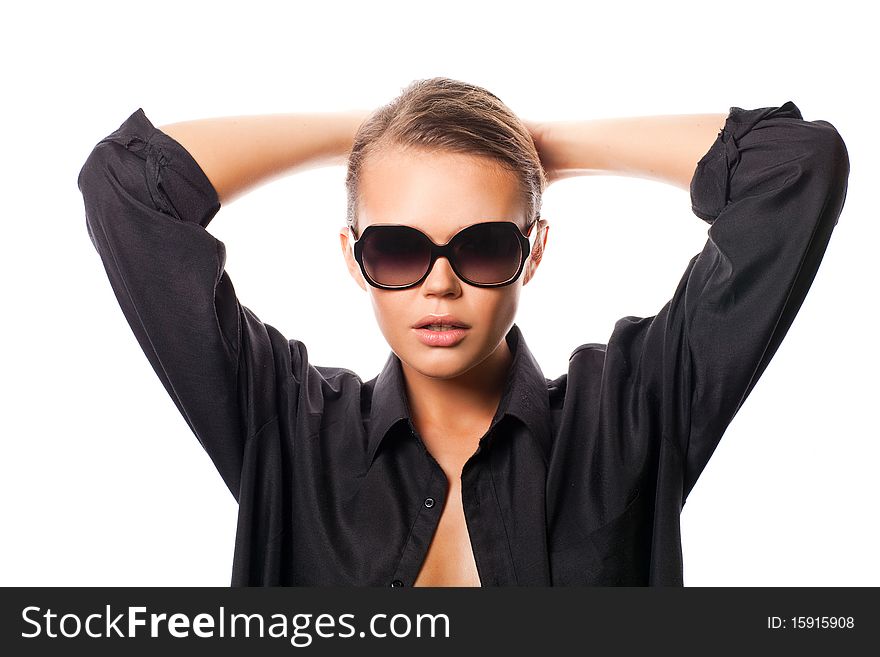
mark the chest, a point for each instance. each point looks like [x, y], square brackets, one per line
[450, 558]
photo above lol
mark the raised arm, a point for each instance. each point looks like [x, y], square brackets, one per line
[662, 148]
[239, 153]
[147, 205]
[771, 185]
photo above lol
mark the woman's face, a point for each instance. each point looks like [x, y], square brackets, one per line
[440, 193]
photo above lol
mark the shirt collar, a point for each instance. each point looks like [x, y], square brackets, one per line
[525, 397]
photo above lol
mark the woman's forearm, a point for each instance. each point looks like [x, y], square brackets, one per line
[239, 153]
[664, 148]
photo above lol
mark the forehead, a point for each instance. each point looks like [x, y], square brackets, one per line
[437, 192]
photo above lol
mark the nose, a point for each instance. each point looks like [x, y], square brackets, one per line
[441, 279]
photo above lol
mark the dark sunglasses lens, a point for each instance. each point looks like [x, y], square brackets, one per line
[488, 253]
[395, 255]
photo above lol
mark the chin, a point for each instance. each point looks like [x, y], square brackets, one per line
[439, 362]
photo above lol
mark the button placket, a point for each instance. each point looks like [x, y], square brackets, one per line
[425, 527]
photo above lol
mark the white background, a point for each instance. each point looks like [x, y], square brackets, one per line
[103, 482]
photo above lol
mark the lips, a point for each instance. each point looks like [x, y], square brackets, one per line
[441, 320]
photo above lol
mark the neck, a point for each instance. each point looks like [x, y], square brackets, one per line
[453, 414]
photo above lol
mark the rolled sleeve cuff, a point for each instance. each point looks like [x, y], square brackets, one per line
[177, 183]
[710, 186]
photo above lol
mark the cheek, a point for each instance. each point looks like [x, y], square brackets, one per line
[498, 306]
[506, 297]
[390, 308]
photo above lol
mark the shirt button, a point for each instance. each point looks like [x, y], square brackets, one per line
[397, 582]
[429, 502]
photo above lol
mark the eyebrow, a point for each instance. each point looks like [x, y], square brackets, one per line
[455, 232]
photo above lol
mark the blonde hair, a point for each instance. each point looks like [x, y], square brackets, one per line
[442, 114]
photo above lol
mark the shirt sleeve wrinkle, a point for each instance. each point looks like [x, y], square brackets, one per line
[147, 202]
[772, 187]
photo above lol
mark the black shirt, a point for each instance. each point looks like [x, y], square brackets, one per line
[580, 480]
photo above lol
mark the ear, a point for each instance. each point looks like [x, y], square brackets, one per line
[345, 241]
[537, 253]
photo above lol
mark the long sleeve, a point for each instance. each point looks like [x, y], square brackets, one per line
[147, 203]
[772, 187]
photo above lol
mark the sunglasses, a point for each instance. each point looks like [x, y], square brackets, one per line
[487, 254]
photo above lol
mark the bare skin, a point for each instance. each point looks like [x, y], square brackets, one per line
[662, 148]
[240, 153]
[450, 559]
[453, 393]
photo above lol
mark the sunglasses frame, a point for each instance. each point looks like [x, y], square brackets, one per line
[444, 250]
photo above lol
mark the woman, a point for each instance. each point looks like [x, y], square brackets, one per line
[460, 464]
